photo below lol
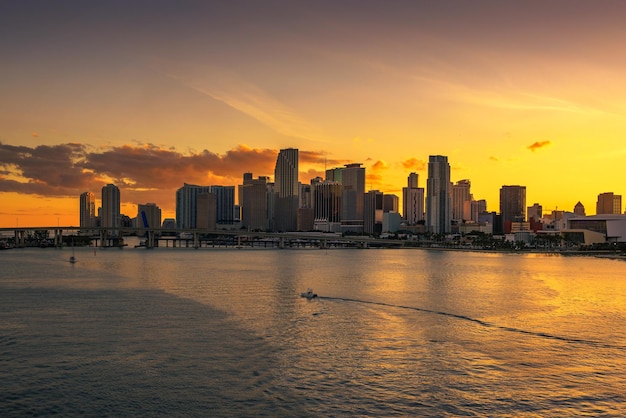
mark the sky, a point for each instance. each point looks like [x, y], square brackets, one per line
[150, 95]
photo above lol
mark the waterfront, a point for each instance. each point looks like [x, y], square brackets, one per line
[224, 332]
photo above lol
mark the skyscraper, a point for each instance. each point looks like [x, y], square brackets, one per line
[187, 205]
[352, 197]
[438, 201]
[87, 210]
[225, 201]
[110, 206]
[286, 190]
[327, 205]
[413, 201]
[461, 201]
[373, 212]
[512, 205]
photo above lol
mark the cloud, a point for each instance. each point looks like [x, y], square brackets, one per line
[492, 158]
[35, 135]
[414, 164]
[379, 165]
[537, 145]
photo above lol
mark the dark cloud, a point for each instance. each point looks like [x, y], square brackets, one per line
[143, 172]
[538, 144]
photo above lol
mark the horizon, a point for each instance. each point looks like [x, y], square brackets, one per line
[149, 98]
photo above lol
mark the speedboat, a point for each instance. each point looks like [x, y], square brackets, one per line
[308, 294]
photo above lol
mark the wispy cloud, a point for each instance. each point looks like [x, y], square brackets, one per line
[250, 100]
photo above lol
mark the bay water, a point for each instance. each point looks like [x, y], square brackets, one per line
[224, 332]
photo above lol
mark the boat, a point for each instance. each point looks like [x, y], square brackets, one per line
[308, 294]
[73, 256]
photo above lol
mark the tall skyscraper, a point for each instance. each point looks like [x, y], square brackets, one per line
[352, 197]
[512, 205]
[438, 201]
[286, 190]
[461, 201]
[609, 203]
[87, 210]
[413, 201]
[206, 211]
[110, 206]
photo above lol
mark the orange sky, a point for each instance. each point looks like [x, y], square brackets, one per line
[528, 93]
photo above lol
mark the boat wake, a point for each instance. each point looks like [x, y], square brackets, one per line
[483, 323]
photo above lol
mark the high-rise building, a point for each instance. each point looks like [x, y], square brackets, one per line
[609, 203]
[187, 205]
[512, 205]
[225, 201]
[413, 201]
[206, 211]
[110, 206]
[286, 190]
[327, 205]
[478, 207]
[390, 203]
[87, 210]
[352, 197]
[438, 201]
[148, 216]
[254, 202]
[373, 212]
[579, 209]
[461, 201]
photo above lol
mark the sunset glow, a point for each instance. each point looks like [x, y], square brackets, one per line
[152, 95]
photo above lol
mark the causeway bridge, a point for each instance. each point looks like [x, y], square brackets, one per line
[196, 238]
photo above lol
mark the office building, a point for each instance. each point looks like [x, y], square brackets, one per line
[438, 200]
[286, 190]
[206, 211]
[512, 206]
[186, 205]
[110, 217]
[352, 197]
[254, 202]
[373, 213]
[478, 207]
[148, 216]
[87, 210]
[413, 201]
[461, 201]
[609, 204]
[225, 201]
[327, 205]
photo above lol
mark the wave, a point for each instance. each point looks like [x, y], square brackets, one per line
[483, 323]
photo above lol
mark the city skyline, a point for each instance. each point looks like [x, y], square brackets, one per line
[150, 98]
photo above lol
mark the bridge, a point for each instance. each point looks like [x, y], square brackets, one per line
[111, 236]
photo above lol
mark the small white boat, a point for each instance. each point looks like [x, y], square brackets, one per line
[308, 294]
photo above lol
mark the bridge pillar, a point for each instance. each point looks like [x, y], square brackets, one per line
[150, 240]
[58, 237]
[196, 240]
[281, 242]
